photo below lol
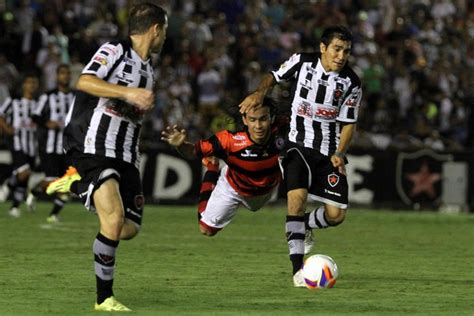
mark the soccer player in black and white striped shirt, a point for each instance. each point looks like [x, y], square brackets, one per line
[102, 133]
[16, 120]
[326, 95]
[50, 115]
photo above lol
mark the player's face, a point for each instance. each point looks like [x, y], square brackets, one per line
[64, 76]
[259, 123]
[335, 55]
[30, 86]
[159, 40]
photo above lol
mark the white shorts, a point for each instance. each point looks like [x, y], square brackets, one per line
[224, 201]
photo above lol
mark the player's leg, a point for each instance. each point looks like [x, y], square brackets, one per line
[208, 183]
[18, 187]
[329, 187]
[220, 208]
[295, 231]
[98, 187]
[109, 207]
[18, 181]
[53, 166]
[131, 192]
[325, 216]
[296, 173]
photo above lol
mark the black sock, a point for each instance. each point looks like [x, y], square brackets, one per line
[58, 205]
[104, 264]
[19, 191]
[73, 189]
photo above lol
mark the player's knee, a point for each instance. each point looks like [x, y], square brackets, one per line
[336, 218]
[129, 230]
[208, 231]
[23, 176]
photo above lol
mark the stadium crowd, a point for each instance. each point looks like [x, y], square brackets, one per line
[415, 58]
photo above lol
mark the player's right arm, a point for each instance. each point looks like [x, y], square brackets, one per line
[93, 79]
[141, 98]
[256, 98]
[287, 71]
[6, 110]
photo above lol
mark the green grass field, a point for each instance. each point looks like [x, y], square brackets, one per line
[391, 263]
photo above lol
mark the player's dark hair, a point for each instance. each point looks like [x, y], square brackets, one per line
[143, 16]
[267, 101]
[339, 32]
[270, 103]
[29, 74]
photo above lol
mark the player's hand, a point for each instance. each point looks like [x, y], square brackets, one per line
[338, 163]
[252, 101]
[53, 124]
[173, 136]
[141, 98]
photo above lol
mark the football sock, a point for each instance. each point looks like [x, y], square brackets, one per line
[295, 229]
[19, 191]
[316, 219]
[12, 181]
[208, 183]
[104, 264]
[58, 205]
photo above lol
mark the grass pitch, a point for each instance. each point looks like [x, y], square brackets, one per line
[391, 263]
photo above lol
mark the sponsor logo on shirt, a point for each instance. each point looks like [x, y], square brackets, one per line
[248, 153]
[102, 60]
[239, 137]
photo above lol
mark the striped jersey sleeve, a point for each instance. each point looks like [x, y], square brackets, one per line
[349, 109]
[289, 69]
[103, 60]
[39, 114]
[6, 108]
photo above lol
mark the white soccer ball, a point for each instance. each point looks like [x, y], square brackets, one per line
[320, 272]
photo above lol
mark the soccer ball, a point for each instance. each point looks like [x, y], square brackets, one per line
[320, 272]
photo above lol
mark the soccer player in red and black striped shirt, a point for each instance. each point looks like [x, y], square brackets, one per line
[251, 173]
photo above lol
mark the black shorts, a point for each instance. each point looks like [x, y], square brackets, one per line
[22, 162]
[53, 165]
[95, 170]
[305, 168]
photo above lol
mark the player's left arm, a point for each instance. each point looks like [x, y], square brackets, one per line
[177, 139]
[338, 157]
[348, 114]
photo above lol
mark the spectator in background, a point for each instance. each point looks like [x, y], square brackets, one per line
[76, 67]
[412, 41]
[9, 77]
[209, 84]
[251, 76]
[48, 60]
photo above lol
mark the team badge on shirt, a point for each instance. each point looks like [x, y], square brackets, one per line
[337, 95]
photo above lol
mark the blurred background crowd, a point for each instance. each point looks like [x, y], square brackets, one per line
[415, 58]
